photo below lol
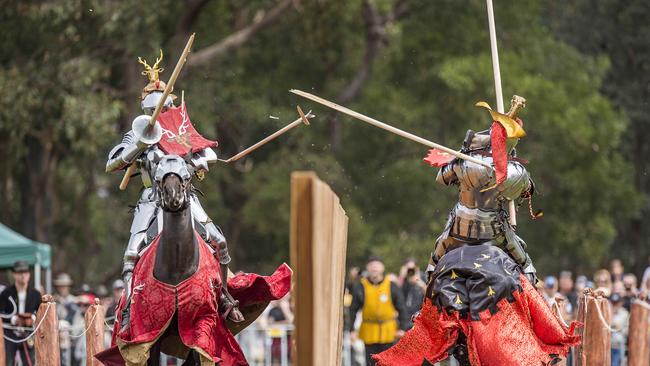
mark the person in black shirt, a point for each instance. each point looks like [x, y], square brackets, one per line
[413, 288]
[26, 300]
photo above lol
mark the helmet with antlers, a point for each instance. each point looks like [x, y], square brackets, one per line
[152, 92]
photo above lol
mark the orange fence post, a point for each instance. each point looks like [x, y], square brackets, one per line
[639, 337]
[94, 320]
[595, 315]
[46, 342]
[2, 347]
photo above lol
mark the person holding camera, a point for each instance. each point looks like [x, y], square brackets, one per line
[413, 289]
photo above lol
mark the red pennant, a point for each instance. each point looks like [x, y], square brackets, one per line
[498, 138]
[438, 158]
[179, 135]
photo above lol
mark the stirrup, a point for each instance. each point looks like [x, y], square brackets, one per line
[227, 305]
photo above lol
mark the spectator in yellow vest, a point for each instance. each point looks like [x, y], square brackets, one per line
[381, 302]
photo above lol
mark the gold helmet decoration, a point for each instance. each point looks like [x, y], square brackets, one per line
[153, 74]
[513, 129]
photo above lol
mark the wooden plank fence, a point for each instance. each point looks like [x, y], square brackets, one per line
[319, 229]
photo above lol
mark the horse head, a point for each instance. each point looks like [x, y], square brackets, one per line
[173, 182]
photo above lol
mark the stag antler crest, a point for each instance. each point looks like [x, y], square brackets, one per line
[152, 72]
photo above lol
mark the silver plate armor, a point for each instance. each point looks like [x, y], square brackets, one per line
[147, 214]
[480, 214]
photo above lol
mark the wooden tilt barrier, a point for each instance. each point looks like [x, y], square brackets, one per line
[319, 229]
[94, 321]
[639, 334]
[46, 340]
[595, 315]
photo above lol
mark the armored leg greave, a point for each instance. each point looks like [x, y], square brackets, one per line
[144, 215]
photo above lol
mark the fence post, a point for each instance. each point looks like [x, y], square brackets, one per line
[594, 313]
[94, 320]
[46, 342]
[319, 229]
[2, 346]
[639, 337]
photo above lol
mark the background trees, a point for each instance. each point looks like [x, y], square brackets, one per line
[71, 85]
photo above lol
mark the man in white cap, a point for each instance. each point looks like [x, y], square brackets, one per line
[66, 306]
[118, 288]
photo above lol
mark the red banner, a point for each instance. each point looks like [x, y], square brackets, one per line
[179, 135]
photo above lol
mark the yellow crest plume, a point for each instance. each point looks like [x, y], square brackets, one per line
[152, 72]
[513, 129]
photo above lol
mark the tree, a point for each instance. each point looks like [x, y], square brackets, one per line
[73, 87]
[617, 31]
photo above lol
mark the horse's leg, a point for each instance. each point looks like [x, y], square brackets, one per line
[193, 359]
[460, 351]
[154, 355]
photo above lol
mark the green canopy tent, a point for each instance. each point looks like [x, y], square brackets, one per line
[15, 247]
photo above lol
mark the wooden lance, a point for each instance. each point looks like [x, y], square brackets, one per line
[303, 119]
[512, 211]
[389, 128]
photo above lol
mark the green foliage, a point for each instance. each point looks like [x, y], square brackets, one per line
[70, 91]
[616, 31]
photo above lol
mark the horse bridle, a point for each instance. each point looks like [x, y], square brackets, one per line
[173, 164]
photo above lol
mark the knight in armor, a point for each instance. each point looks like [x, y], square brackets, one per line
[481, 215]
[147, 220]
[481, 304]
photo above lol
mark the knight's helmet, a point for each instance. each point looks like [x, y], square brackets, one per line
[152, 93]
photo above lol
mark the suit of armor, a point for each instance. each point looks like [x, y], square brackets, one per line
[140, 147]
[147, 220]
[481, 214]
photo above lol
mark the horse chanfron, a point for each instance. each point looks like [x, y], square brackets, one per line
[173, 180]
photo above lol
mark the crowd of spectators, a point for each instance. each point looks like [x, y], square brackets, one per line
[619, 287]
[386, 303]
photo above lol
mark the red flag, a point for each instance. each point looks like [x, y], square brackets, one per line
[498, 138]
[438, 158]
[179, 135]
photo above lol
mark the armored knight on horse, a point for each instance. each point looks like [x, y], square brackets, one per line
[179, 298]
[481, 304]
[147, 221]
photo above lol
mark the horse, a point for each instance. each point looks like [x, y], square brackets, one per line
[179, 287]
[171, 270]
[177, 253]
